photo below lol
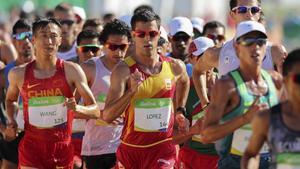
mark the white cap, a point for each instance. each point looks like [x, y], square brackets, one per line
[181, 24]
[249, 26]
[199, 45]
[126, 19]
[198, 23]
[80, 12]
[163, 33]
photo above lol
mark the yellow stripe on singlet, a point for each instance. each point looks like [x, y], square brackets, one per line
[148, 145]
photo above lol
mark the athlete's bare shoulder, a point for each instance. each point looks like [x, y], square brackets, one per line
[121, 70]
[210, 57]
[178, 67]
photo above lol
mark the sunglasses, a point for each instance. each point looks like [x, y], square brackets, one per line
[245, 9]
[215, 37]
[296, 78]
[142, 34]
[114, 47]
[23, 36]
[68, 22]
[251, 41]
[181, 38]
[87, 48]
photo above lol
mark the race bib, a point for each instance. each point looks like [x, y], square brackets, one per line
[240, 141]
[288, 161]
[78, 125]
[194, 120]
[47, 112]
[152, 115]
[101, 103]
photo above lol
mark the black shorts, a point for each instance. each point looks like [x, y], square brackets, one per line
[9, 149]
[104, 161]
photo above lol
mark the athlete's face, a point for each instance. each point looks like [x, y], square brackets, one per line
[292, 83]
[239, 15]
[87, 49]
[180, 43]
[251, 48]
[145, 37]
[69, 27]
[47, 40]
[23, 45]
[216, 34]
[115, 48]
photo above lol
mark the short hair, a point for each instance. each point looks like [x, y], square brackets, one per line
[42, 23]
[92, 22]
[116, 27]
[87, 34]
[142, 8]
[21, 24]
[65, 7]
[212, 25]
[292, 59]
[108, 16]
[233, 3]
[145, 16]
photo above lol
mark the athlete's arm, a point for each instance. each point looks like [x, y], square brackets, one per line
[15, 78]
[222, 93]
[207, 61]
[89, 69]
[76, 77]
[182, 82]
[8, 52]
[260, 126]
[2, 84]
[279, 54]
[118, 99]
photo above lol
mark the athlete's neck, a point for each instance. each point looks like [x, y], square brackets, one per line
[149, 62]
[65, 48]
[46, 63]
[108, 64]
[251, 73]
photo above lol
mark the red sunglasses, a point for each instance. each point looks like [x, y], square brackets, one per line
[142, 34]
[215, 37]
[114, 47]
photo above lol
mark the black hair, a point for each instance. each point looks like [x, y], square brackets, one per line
[212, 25]
[21, 24]
[108, 16]
[92, 22]
[145, 16]
[233, 3]
[42, 23]
[142, 8]
[65, 7]
[116, 27]
[161, 41]
[87, 34]
[292, 59]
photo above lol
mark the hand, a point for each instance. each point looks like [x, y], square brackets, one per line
[136, 78]
[10, 132]
[254, 108]
[183, 123]
[71, 103]
[196, 128]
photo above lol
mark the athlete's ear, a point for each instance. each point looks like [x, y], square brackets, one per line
[236, 48]
[133, 36]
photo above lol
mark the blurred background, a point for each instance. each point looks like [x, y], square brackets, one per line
[282, 16]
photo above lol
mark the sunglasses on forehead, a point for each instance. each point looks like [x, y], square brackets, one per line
[87, 48]
[114, 47]
[68, 22]
[23, 36]
[251, 41]
[296, 78]
[245, 9]
[142, 34]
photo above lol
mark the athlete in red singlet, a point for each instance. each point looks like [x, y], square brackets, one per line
[48, 102]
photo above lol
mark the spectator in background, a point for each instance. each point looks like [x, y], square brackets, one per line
[95, 25]
[108, 18]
